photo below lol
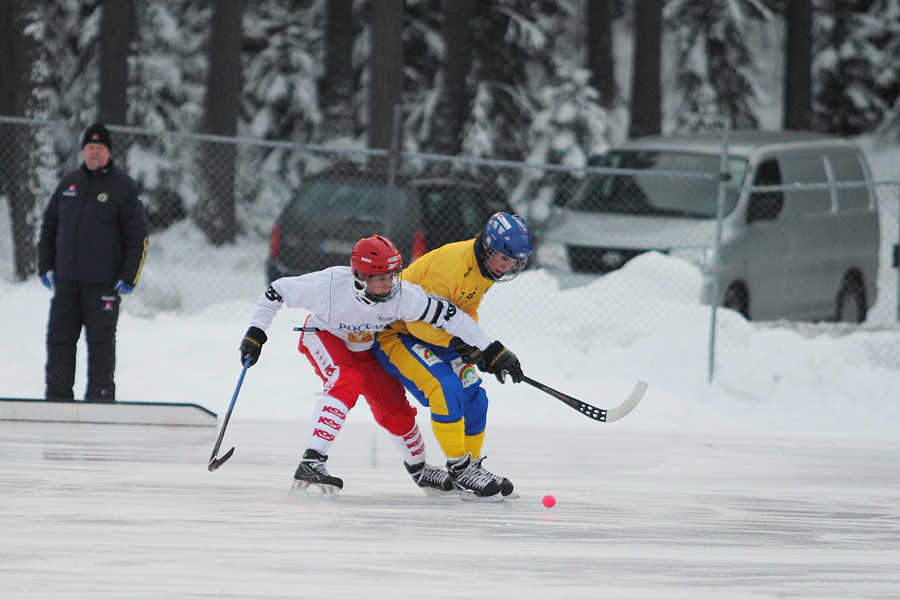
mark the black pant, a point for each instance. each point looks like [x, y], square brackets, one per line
[95, 306]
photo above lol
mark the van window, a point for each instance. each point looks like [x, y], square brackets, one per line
[766, 206]
[806, 168]
[846, 167]
[655, 194]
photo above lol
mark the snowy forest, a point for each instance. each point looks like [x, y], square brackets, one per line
[546, 82]
[500, 79]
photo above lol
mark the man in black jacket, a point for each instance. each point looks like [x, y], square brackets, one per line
[92, 246]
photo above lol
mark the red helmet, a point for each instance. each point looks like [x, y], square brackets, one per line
[375, 255]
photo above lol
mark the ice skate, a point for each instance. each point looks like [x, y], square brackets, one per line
[506, 486]
[311, 479]
[434, 481]
[473, 482]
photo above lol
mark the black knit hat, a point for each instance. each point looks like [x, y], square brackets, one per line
[96, 134]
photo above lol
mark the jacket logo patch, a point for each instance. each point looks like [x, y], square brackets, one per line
[102, 198]
[71, 191]
[109, 302]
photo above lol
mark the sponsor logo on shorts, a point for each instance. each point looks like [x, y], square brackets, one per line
[466, 372]
[425, 355]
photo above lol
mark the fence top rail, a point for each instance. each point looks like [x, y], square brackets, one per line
[459, 160]
[204, 137]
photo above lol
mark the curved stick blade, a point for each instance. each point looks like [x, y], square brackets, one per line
[215, 463]
[614, 414]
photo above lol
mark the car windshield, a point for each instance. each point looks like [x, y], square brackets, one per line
[344, 200]
[655, 193]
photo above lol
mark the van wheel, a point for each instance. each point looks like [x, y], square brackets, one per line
[737, 299]
[851, 301]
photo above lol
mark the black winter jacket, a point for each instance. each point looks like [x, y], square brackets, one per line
[95, 228]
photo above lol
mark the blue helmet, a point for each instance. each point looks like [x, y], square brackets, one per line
[508, 235]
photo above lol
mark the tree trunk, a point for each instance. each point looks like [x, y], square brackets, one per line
[386, 74]
[336, 87]
[215, 214]
[116, 32]
[10, 44]
[646, 92]
[17, 52]
[599, 40]
[453, 103]
[798, 67]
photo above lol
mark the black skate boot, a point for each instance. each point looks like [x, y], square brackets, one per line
[312, 475]
[506, 486]
[433, 480]
[472, 481]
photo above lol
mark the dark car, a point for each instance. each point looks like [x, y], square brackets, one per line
[332, 211]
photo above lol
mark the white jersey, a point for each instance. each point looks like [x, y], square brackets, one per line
[336, 308]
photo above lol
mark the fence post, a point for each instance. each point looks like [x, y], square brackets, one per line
[720, 214]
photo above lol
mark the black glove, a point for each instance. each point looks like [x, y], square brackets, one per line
[252, 344]
[497, 359]
[468, 353]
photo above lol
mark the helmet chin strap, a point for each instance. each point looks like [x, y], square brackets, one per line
[480, 256]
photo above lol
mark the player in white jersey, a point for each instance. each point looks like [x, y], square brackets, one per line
[348, 306]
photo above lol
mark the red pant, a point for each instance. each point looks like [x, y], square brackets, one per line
[347, 375]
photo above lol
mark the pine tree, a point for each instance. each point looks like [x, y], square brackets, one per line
[851, 90]
[282, 45]
[715, 66]
[885, 22]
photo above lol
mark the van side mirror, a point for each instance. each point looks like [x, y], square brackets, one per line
[764, 206]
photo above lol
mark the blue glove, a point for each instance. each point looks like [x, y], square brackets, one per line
[49, 280]
[123, 288]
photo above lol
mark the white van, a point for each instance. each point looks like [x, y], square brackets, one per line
[806, 254]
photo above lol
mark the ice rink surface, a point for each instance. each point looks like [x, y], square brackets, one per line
[115, 511]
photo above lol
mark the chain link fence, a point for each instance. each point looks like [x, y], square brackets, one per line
[229, 215]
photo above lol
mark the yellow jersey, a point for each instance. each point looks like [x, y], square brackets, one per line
[450, 272]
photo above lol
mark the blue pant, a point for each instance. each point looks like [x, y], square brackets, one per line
[437, 377]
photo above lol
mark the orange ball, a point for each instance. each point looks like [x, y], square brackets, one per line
[549, 501]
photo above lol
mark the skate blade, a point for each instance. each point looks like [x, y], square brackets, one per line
[429, 491]
[469, 496]
[314, 491]
[512, 496]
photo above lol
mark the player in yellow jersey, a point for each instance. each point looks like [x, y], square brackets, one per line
[437, 368]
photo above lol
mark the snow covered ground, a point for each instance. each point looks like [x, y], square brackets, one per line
[768, 381]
